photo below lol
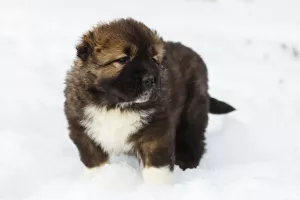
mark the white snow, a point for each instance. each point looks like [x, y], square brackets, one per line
[252, 49]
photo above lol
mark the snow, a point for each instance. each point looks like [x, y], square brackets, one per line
[252, 49]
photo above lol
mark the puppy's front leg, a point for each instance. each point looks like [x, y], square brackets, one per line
[158, 160]
[91, 154]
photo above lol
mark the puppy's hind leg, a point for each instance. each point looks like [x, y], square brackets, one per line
[189, 142]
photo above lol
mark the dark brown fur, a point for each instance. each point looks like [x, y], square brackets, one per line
[174, 134]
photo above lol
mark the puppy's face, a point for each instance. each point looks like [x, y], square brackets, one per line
[123, 59]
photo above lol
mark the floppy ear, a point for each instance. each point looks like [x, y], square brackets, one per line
[85, 47]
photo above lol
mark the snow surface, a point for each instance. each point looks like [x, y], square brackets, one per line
[252, 49]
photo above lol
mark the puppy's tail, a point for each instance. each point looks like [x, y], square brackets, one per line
[219, 107]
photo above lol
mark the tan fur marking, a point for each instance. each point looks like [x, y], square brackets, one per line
[160, 52]
[148, 149]
[110, 54]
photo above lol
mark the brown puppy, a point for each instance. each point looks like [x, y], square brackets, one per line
[131, 92]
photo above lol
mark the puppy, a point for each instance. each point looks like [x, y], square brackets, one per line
[131, 92]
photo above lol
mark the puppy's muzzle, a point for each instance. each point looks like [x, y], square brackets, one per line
[107, 88]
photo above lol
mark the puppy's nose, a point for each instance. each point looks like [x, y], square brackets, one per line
[148, 80]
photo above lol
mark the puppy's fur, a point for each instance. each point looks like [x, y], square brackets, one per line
[131, 92]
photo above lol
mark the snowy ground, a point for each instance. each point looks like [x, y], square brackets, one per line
[252, 49]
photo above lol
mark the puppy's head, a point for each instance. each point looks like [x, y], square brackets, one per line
[124, 59]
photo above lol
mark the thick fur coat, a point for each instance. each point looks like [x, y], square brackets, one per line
[131, 92]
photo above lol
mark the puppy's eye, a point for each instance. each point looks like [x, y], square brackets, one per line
[123, 60]
[154, 60]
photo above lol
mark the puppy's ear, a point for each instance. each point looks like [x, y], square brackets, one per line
[85, 47]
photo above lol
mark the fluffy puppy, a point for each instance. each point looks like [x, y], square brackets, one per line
[131, 92]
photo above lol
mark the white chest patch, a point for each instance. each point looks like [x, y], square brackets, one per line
[111, 128]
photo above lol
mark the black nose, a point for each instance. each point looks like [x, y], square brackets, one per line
[148, 80]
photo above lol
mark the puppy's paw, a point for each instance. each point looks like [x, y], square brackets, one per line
[90, 173]
[157, 175]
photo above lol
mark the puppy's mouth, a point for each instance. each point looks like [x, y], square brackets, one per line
[113, 94]
[116, 97]
[132, 92]
[143, 98]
